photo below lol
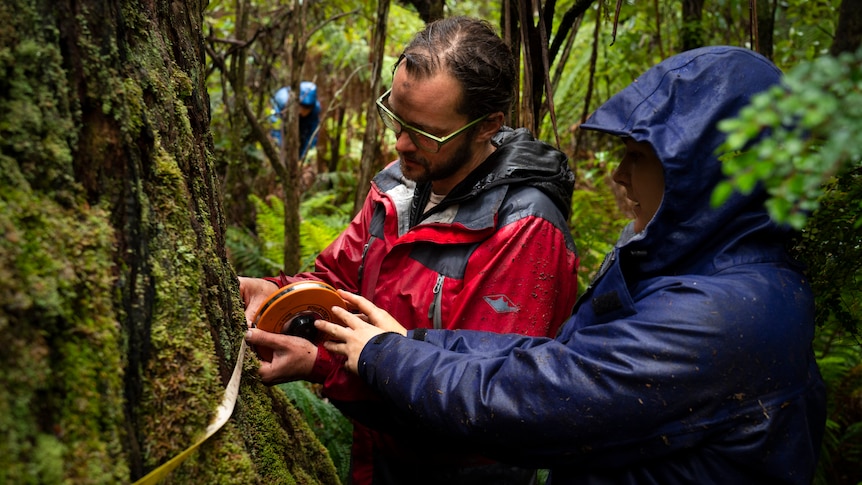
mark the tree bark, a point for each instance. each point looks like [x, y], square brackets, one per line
[766, 10]
[119, 311]
[848, 36]
[371, 138]
[428, 10]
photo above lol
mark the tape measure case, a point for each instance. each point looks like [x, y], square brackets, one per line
[292, 310]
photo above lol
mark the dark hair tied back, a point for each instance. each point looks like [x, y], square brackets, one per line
[472, 52]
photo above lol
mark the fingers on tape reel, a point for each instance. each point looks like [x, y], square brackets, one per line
[292, 310]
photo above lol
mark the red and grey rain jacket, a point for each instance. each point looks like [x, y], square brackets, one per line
[496, 254]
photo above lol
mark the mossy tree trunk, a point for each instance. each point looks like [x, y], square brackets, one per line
[119, 312]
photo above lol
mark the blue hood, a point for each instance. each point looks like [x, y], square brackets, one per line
[674, 106]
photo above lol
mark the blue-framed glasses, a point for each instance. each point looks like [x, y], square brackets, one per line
[424, 140]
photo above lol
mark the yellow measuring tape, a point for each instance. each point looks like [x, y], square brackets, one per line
[225, 409]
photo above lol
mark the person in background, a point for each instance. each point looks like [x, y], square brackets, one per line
[309, 115]
[467, 229]
[688, 359]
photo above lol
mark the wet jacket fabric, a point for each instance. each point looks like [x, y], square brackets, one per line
[688, 359]
[308, 129]
[496, 254]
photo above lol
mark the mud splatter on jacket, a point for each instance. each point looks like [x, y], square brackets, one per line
[688, 360]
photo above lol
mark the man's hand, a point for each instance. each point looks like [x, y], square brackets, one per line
[292, 357]
[254, 292]
[349, 340]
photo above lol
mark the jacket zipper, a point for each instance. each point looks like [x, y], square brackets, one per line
[362, 265]
[435, 311]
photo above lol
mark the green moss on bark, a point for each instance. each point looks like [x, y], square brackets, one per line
[119, 312]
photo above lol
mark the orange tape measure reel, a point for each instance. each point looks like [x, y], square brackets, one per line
[292, 310]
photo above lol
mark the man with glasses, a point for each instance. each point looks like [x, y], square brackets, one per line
[466, 230]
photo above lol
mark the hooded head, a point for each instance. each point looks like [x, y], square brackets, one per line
[307, 93]
[675, 107]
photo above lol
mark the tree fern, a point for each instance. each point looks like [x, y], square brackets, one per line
[322, 220]
[244, 251]
[333, 430]
[270, 227]
[841, 452]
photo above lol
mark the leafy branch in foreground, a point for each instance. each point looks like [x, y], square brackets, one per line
[813, 127]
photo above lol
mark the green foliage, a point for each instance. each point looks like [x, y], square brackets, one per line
[803, 30]
[270, 227]
[403, 24]
[840, 360]
[814, 126]
[596, 219]
[333, 430]
[831, 247]
[318, 230]
[342, 49]
[246, 253]
[324, 214]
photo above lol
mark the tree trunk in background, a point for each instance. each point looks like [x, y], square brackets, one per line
[119, 312]
[692, 26]
[371, 139]
[428, 10]
[766, 10]
[510, 31]
[848, 37]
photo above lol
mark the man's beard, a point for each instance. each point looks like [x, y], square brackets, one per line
[442, 169]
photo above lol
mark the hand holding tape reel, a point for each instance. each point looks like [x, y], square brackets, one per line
[292, 310]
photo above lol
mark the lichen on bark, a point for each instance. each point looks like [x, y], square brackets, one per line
[119, 311]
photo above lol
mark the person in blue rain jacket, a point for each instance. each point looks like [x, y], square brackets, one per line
[309, 115]
[687, 360]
